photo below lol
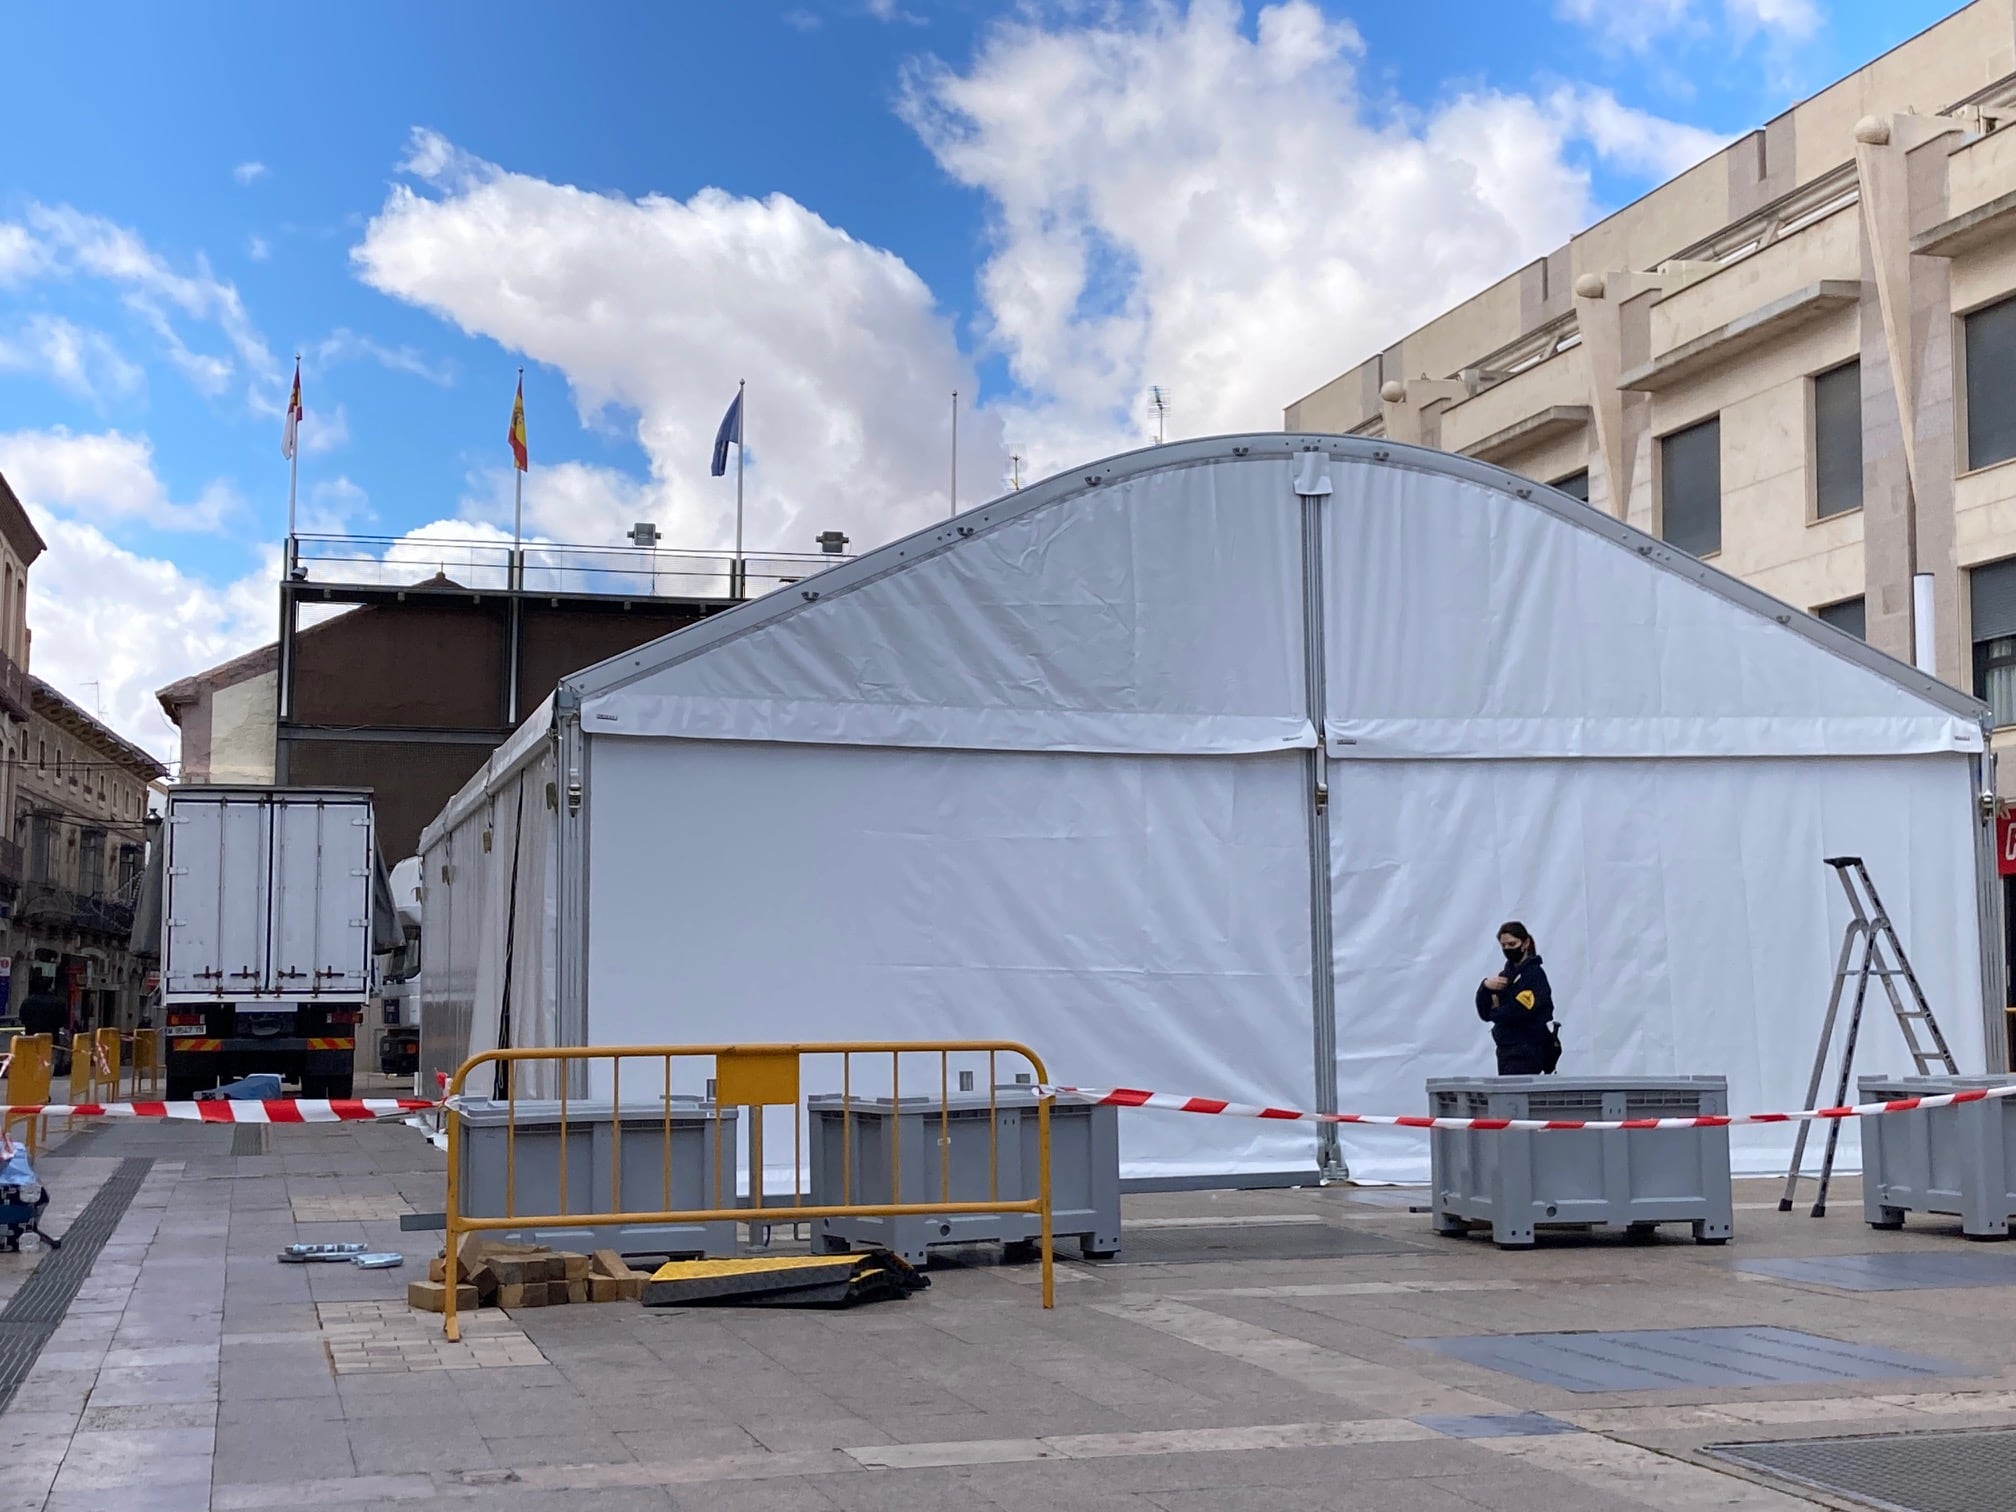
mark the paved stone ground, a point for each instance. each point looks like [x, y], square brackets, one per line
[194, 1372]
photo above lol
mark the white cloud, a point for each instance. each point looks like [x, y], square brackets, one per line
[1638, 26]
[1160, 215]
[106, 615]
[87, 364]
[65, 241]
[249, 173]
[343, 344]
[107, 477]
[334, 506]
[656, 307]
[1631, 139]
[324, 431]
[1793, 20]
[802, 20]
[21, 256]
[892, 10]
[258, 248]
[1156, 216]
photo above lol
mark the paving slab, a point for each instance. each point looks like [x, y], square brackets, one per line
[1282, 1349]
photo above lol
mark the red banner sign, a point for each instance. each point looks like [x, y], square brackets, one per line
[2005, 844]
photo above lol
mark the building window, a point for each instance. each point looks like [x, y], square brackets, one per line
[1690, 488]
[1990, 339]
[1575, 485]
[1837, 440]
[1849, 615]
[1993, 591]
[91, 864]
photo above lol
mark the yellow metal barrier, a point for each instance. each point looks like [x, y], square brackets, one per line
[94, 1068]
[750, 1077]
[30, 1057]
[105, 1061]
[146, 1058]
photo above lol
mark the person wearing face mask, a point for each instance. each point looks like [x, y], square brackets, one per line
[1518, 1004]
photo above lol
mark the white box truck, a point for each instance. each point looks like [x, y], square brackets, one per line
[272, 903]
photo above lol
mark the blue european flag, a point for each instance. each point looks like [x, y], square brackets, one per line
[731, 430]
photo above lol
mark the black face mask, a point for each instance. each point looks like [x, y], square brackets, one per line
[1512, 956]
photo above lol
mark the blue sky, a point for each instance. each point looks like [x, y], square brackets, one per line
[1047, 206]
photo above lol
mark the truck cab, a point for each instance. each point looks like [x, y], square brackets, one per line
[399, 971]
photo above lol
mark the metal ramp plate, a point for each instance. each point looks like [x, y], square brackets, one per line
[1917, 1472]
[1891, 1272]
[1652, 1359]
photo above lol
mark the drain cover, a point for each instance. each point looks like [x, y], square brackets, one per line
[1903, 1472]
[1897, 1271]
[1648, 1359]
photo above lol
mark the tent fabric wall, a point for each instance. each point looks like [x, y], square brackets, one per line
[1141, 920]
[1097, 624]
[1045, 771]
[1465, 621]
[478, 925]
[1687, 921]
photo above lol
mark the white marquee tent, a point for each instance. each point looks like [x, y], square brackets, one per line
[1212, 769]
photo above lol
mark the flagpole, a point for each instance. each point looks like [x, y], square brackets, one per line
[741, 589]
[955, 453]
[518, 494]
[293, 462]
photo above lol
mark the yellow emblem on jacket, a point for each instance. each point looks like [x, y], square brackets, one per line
[1525, 1001]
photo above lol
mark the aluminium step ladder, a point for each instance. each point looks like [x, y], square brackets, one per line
[1871, 927]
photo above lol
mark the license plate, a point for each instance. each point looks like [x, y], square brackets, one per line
[185, 1031]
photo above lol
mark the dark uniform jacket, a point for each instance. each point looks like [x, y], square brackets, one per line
[1520, 1012]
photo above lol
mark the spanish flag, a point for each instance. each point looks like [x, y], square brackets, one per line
[520, 458]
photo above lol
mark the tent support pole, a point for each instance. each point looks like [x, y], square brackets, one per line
[1988, 899]
[1311, 491]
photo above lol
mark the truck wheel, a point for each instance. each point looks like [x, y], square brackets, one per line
[185, 1088]
[319, 1087]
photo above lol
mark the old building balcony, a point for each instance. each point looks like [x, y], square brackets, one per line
[51, 906]
[14, 696]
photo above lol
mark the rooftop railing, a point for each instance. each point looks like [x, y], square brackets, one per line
[545, 568]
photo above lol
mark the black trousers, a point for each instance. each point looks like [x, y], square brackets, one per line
[1523, 1058]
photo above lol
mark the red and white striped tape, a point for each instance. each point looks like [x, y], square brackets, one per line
[283, 1110]
[1128, 1097]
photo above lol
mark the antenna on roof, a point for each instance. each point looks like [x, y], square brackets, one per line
[1158, 401]
[1015, 469]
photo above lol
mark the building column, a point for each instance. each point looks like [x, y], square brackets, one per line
[1613, 311]
[1412, 411]
[1908, 432]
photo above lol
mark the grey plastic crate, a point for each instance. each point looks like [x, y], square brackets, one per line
[1959, 1160]
[1084, 1170]
[591, 1171]
[1519, 1181]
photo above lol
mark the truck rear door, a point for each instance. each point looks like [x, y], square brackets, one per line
[213, 928]
[322, 901]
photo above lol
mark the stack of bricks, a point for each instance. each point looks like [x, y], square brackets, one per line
[513, 1276]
